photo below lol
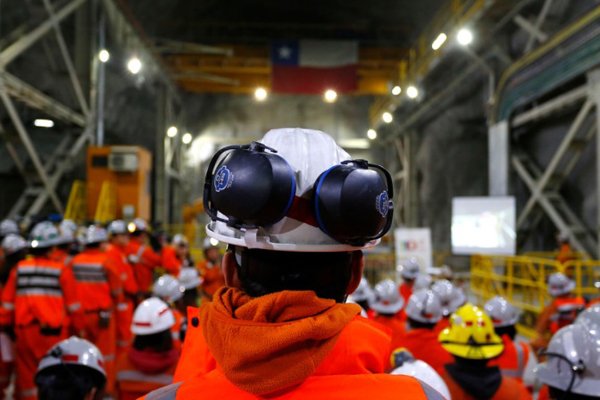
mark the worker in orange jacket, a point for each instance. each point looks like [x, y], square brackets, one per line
[423, 312]
[409, 270]
[142, 257]
[117, 260]
[101, 294]
[210, 269]
[40, 300]
[452, 299]
[280, 328]
[565, 251]
[150, 362]
[561, 312]
[170, 290]
[176, 255]
[387, 305]
[514, 358]
[472, 342]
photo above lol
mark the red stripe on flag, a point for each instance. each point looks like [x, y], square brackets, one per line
[307, 80]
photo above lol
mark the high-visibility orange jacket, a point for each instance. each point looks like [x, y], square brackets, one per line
[424, 345]
[561, 312]
[170, 262]
[212, 277]
[565, 253]
[513, 360]
[544, 393]
[195, 359]
[133, 383]
[144, 261]
[117, 261]
[405, 290]
[396, 325]
[510, 389]
[176, 329]
[60, 256]
[292, 345]
[41, 291]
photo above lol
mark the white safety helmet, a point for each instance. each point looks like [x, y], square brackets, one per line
[559, 284]
[387, 299]
[179, 240]
[13, 243]
[572, 361]
[501, 312]
[422, 281]
[74, 351]
[168, 288]
[137, 225]
[43, 235]
[409, 269]
[590, 318]
[452, 298]
[363, 292]
[67, 230]
[309, 153]
[117, 227]
[424, 306]
[152, 316]
[406, 364]
[95, 234]
[8, 226]
[189, 278]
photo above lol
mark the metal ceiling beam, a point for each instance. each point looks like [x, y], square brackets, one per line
[539, 22]
[551, 106]
[530, 28]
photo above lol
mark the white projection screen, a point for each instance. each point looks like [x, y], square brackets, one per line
[483, 225]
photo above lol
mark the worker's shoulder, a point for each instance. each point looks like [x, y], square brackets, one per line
[512, 389]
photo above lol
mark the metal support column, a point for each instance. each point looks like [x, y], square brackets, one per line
[594, 93]
[161, 190]
[411, 194]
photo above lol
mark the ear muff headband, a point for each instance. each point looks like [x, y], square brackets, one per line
[250, 186]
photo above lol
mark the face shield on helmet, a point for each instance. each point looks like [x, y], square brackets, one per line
[409, 269]
[471, 335]
[74, 351]
[572, 361]
[311, 197]
[363, 292]
[189, 278]
[559, 284]
[424, 306]
[7, 227]
[404, 363]
[152, 316]
[387, 299]
[13, 243]
[501, 312]
[43, 235]
[168, 288]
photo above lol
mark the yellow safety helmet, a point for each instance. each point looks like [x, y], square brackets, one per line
[471, 335]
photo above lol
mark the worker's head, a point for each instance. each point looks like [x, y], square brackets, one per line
[138, 227]
[296, 211]
[14, 247]
[452, 297]
[72, 370]
[181, 245]
[471, 335]
[168, 289]
[559, 285]
[504, 316]
[562, 237]
[8, 226]
[571, 369]
[409, 270]
[151, 325]
[386, 300]
[67, 230]
[422, 281]
[96, 237]
[117, 230]
[191, 281]
[211, 250]
[424, 309]
[363, 294]
[43, 237]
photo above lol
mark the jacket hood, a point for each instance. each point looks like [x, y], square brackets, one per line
[273, 342]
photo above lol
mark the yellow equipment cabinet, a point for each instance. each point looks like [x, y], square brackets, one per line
[127, 169]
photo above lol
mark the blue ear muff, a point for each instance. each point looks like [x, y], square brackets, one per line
[250, 186]
[352, 202]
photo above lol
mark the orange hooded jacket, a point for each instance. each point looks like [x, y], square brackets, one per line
[424, 345]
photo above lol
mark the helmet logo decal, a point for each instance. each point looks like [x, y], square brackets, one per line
[382, 203]
[223, 178]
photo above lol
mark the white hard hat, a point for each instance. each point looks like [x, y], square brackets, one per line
[75, 351]
[409, 269]
[189, 278]
[168, 288]
[67, 230]
[363, 292]
[387, 299]
[590, 318]
[13, 243]
[117, 227]
[179, 240]
[43, 235]
[406, 364]
[152, 316]
[8, 226]
[138, 225]
[559, 284]
[572, 361]
[424, 306]
[95, 234]
[450, 296]
[422, 281]
[309, 153]
[501, 312]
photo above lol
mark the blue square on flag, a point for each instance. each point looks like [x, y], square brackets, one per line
[285, 52]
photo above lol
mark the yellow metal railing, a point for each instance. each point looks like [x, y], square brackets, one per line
[106, 210]
[76, 210]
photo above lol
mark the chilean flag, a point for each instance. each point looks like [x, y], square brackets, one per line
[313, 66]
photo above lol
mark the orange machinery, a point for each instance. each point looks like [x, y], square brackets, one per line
[129, 169]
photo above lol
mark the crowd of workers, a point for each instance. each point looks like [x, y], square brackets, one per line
[96, 312]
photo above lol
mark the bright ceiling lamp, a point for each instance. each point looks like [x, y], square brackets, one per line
[387, 117]
[172, 131]
[43, 123]
[439, 41]
[372, 134]
[103, 55]
[412, 92]
[134, 65]
[396, 90]
[186, 138]
[260, 94]
[330, 96]
[464, 37]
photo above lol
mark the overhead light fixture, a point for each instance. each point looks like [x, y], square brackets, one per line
[186, 138]
[43, 123]
[372, 134]
[131, 227]
[412, 92]
[330, 96]
[172, 131]
[103, 55]
[464, 37]
[387, 117]
[396, 90]
[134, 65]
[439, 41]
[260, 94]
